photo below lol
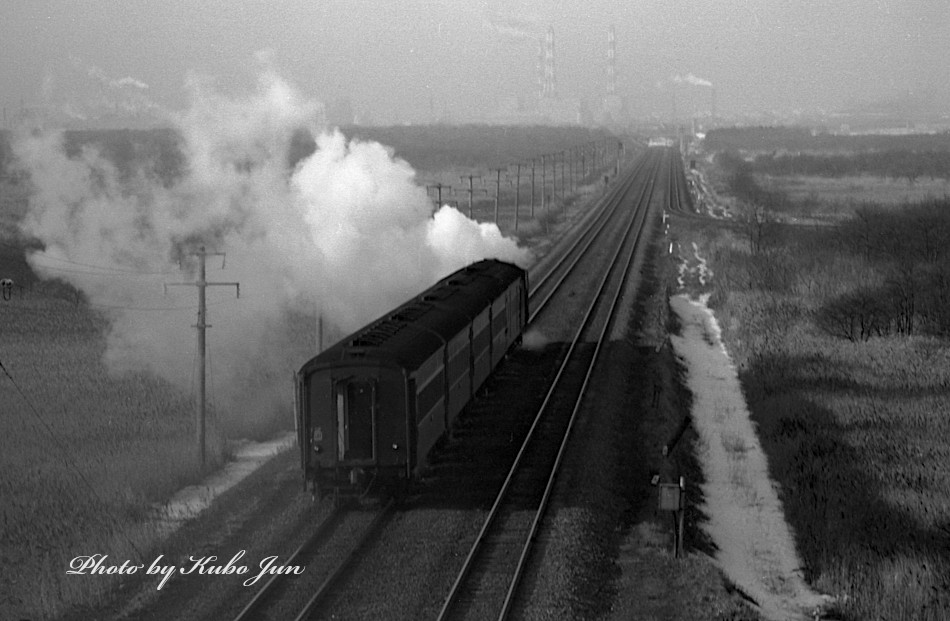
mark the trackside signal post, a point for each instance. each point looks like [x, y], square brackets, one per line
[202, 284]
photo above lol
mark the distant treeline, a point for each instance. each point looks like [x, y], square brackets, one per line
[910, 250]
[743, 185]
[805, 139]
[158, 152]
[434, 147]
[896, 164]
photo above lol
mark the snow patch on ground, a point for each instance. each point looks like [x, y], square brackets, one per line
[746, 521]
[705, 274]
[192, 500]
[699, 271]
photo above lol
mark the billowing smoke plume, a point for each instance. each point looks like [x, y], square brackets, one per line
[512, 26]
[347, 233]
[689, 78]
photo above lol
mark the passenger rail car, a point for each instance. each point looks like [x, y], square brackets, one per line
[372, 406]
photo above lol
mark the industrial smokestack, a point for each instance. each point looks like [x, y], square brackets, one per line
[550, 78]
[712, 106]
[541, 80]
[611, 62]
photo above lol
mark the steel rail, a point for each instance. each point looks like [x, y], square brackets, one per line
[608, 208]
[322, 533]
[555, 384]
[552, 478]
[616, 202]
[374, 528]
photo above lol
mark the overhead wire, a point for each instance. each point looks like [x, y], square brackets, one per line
[72, 465]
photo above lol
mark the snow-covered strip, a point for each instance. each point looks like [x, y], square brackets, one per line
[746, 521]
[705, 274]
[192, 500]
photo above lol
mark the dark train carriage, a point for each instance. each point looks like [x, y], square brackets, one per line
[375, 404]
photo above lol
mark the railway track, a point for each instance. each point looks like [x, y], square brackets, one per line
[329, 553]
[611, 217]
[545, 279]
[487, 584]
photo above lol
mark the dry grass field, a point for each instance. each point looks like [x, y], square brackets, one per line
[832, 196]
[857, 433]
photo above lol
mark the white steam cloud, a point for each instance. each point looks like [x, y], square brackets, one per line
[347, 233]
[689, 78]
[511, 26]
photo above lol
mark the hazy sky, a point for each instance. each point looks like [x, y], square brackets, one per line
[400, 60]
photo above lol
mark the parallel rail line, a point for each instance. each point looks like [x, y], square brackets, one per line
[476, 586]
[269, 594]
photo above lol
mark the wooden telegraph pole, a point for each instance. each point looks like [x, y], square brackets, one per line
[497, 172]
[202, 284]
[534, 163]
[439, 187]
[543, 181]
[471, 192]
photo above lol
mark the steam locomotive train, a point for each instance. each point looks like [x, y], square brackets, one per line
[371, 407]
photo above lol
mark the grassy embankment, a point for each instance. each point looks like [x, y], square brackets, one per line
[85, 455]
[840, 336]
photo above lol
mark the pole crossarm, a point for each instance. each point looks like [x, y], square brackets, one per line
[439, 187]
[497, 172]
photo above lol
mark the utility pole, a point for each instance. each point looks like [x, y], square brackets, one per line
[497, 172]
[439, 187]
[563, 172]
[533, 164]
[471, 191]
[202, 284]
[543, 181]
[570, 168]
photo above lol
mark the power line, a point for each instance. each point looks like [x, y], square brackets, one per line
[106, 268]
[66, 270]
[103, 268]
[64, 452]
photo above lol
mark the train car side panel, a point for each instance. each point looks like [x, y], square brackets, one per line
[459, 373]
[481, 349]
[499, 329]
[430, 404]
[516, 306]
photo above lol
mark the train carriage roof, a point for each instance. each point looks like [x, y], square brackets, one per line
[408, 335]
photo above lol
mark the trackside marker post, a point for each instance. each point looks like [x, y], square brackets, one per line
[672, 497]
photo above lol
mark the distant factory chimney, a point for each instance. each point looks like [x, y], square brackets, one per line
[549, 85]
[712, 107]
[611, 62]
